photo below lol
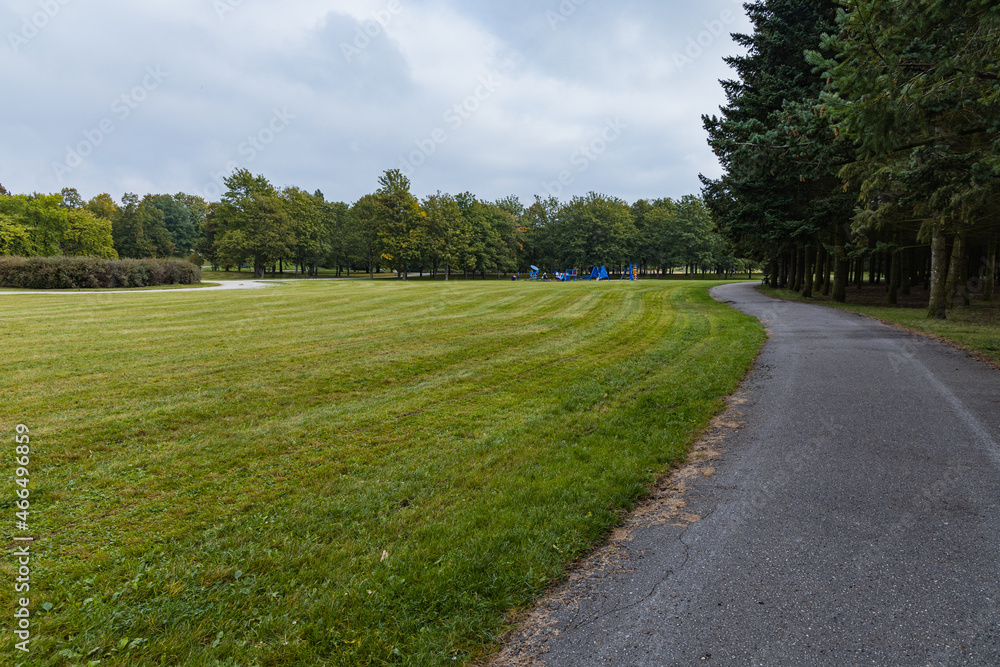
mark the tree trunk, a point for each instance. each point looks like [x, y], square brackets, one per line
[826, 272]
[818, 268]
[840, 267]
[807, 290]
[895, 276]
[773, 278]
[963, 275]
[991, 269]
[937, 308]
[793, 271]
[953, 283]
[905, 271]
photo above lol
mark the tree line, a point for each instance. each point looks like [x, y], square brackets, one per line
[860, 143]
[51, 225]
[267, 228]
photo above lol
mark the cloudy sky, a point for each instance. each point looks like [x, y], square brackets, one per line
[496, 97]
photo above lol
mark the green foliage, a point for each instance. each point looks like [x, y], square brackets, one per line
[49, 225]
[888, 115]
[779, 154]
[94, 273]
[313, 222]
[254, 223]
[42, 217]
[399, 221]
[71, 198]
[915, 85]
[103, 206]
[139, 230]
[178, 221]
[362, 225]
[687, 232]
[206, 246]
[594, 230]
[449, 233]
[14, 238]
[87, 235]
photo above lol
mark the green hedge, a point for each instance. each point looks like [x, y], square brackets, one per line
[90, 272]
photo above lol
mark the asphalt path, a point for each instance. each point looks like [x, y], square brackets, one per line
[851, 517]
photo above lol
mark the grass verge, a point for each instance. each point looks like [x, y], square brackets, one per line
[975, 328]
[340, 473]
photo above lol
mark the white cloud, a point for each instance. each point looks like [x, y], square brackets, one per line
[355, 116]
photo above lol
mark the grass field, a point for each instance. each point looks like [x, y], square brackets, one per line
[976, 328]
[337, 473]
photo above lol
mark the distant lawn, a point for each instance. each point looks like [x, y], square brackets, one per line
[338, 473]
[976, 328]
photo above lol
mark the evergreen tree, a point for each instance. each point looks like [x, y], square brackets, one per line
[779, 199]
[915, 85]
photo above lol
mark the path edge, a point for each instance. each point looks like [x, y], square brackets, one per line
[524, 645]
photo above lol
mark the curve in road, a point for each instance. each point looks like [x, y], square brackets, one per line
[852, 518]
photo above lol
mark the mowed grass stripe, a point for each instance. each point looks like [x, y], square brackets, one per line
[219, 475]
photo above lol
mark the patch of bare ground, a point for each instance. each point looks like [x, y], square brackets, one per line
[525, 646]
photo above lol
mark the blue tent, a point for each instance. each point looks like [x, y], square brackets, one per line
[599, 273]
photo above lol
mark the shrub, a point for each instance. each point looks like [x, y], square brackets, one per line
[94, 273]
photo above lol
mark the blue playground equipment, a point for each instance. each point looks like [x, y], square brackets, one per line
[599, 273]
[534, 272]
[568, 276]
[632, 274]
